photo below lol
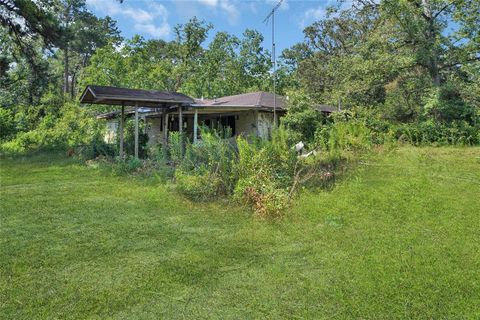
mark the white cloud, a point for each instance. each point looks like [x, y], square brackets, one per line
[211, 3]
[231, 10]
[226, 6]
[311, 15]
[153, 22]
[158, 32]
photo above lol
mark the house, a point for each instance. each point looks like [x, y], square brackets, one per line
[243, 114]
[163, 112]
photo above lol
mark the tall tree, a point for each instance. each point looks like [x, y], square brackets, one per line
[381, 53]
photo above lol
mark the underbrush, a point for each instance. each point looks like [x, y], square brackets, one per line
[264, 175]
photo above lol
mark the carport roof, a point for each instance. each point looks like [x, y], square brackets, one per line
[130, 97]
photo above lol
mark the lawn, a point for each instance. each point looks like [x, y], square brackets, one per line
[399, 237]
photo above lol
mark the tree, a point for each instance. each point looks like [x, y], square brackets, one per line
[388, 54]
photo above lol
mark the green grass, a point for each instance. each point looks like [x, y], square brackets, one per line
[398, 238]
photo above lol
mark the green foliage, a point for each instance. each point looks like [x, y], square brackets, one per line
[127, 166]
[432, 132]
[301, 118]
[257, 173]
[227, 66]
[345, 135]
[445, 104]
[7, 124]
[198, 186]
[214, 155]
[401, 58]
[176, 144]
[73, 127]
[265, 171]
[129, 138]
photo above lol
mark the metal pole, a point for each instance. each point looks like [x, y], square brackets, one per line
[136, 130]
[274, 72]
[122, 116]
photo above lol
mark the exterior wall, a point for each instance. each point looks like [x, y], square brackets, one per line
[264, 124]
[246, 123]
[111, 131]
[155, 135]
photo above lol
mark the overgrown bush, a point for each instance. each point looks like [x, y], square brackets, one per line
[214, 155]
[73, 127]
[302, 120]
[126, 166]
[198, 186]
[265, 171]
[7, 124]
[176, 144]
[342, 136]
[428, 132]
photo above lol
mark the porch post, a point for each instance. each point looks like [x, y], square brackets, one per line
[180, 119]
[122, 116]
[136, 130]
[180, 127]
[195, 126]
[165, 129]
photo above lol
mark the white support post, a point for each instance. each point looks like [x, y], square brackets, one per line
[180, 119]
[165, 129]
[136, 130]
[180, 127]
[122, 116]
[195, 126]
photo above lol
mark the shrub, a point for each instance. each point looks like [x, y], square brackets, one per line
[176, 148]
[213, 155]
[340, 137]
[198, 187]
[73, 127]
[7, 124]
[268, 202]
[302, 119]
[265, 171]
[129, 165]
[445, 104]
[428, 132]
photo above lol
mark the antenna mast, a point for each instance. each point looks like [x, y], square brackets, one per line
[274, 60]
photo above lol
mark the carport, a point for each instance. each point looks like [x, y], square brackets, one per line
[164, 100]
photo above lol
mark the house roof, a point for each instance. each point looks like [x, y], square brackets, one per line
[259, 99]
[117, 96]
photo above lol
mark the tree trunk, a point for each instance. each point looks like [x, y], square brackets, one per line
[431, 42]
[72, 85]
[65, 69]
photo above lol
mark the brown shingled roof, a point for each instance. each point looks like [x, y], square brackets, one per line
[258, 99]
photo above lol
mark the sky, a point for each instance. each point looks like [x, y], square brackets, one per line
[155, 19]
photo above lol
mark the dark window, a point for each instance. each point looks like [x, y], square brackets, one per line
[227, 122]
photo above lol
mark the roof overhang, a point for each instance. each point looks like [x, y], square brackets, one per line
[132, 97]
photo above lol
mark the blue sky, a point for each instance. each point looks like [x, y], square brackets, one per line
[156, 19]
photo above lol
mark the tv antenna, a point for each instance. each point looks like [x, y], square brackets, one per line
[274, 60]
